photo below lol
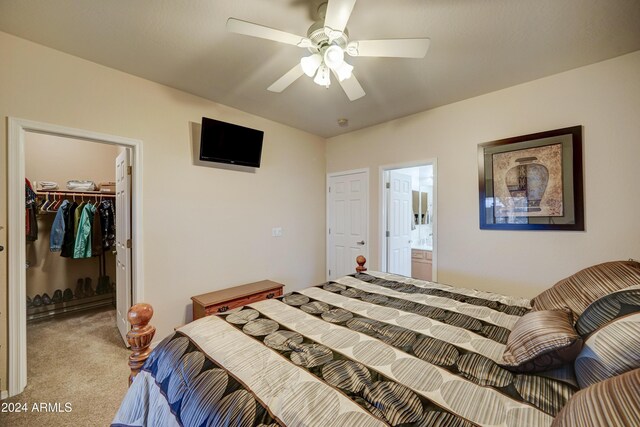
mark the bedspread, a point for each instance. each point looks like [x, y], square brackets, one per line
[371, 349]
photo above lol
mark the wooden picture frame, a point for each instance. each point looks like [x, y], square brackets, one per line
[532, 182]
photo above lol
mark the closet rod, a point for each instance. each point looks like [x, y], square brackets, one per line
[74, 193]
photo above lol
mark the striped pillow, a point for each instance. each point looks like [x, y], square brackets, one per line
[610, 351]
[608, 308]
[581, 289]
[613, 402]
[542, 340]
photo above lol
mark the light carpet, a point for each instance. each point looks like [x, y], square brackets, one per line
[77, 360]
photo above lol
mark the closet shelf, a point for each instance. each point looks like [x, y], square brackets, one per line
[74, 193]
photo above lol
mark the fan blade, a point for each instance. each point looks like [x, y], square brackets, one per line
[260, 31]
[338, 13]
[351, 87]
[285, 81]
[393, 48]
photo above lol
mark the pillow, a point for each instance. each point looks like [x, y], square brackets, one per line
[608, 308]
[610, 351]
[613, 402]
[542, 340]
[581, 289]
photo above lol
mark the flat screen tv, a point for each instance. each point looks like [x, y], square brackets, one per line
[228, 143]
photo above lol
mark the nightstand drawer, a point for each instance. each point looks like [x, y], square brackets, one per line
[239, 302]
[227, 299]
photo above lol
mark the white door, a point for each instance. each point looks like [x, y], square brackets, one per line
[399, 223]
[348, 222]
[123, 242]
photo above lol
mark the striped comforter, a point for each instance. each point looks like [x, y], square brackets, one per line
[367, 350]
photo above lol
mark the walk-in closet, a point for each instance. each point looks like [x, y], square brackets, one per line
[70, 219]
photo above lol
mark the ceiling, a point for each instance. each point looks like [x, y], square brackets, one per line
[477, 46]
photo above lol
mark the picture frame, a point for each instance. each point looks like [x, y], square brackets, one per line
[532, 182]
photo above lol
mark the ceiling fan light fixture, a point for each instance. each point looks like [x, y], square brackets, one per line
[334, 57]
[328, 42]
[322, 76]
[305, 43]
[332, 34]
[311, 63]
[352, 48]
[344, 71]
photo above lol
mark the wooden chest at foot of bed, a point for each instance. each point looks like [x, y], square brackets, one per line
[226, 299]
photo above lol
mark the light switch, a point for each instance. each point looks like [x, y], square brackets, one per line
[276, 231]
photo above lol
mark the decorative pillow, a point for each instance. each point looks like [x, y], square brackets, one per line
[542, 340]
[610, 351]
[613, 402]
[608, 308]
[581, 289]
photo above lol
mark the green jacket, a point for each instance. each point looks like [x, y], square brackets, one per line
[82, 248]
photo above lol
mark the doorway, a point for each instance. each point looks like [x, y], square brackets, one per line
[408, 220]
[19, 130]
[347, 220]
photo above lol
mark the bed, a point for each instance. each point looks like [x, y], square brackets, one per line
[369, 349]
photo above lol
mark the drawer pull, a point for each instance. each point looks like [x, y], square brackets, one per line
[223, 309]
[271, 295]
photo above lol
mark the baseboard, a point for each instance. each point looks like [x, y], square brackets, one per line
[4, 394]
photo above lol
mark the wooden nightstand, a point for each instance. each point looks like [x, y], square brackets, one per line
[226, 299]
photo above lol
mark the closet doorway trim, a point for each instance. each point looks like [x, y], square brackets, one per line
[16, 244]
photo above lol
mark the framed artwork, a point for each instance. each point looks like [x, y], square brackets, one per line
[532, 182]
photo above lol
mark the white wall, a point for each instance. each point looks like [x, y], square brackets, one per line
[604, 98]
[58, 159]
[204, 228]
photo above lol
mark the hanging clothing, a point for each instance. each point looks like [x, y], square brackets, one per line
[69, 240]
[30, 195]
[58, 228]
[31, 222]
[108, 220]
[76, 218]
[82, 247]
[96, 234]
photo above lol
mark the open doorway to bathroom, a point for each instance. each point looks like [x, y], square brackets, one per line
[409, 220]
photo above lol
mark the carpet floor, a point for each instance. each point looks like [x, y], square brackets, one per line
[77, 368]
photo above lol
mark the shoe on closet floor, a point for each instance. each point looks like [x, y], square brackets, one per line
[67, 295]
[46, 299]
[88, 289]
[79, 289]
[37, 301]
[29, 302]
[57, 296]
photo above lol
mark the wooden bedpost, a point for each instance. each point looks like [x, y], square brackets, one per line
[360, 260]
[139, 337]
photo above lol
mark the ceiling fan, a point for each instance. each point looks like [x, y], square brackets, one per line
[328, 39]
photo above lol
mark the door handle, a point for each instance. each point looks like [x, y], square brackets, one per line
[361, 242]
[1, 248]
